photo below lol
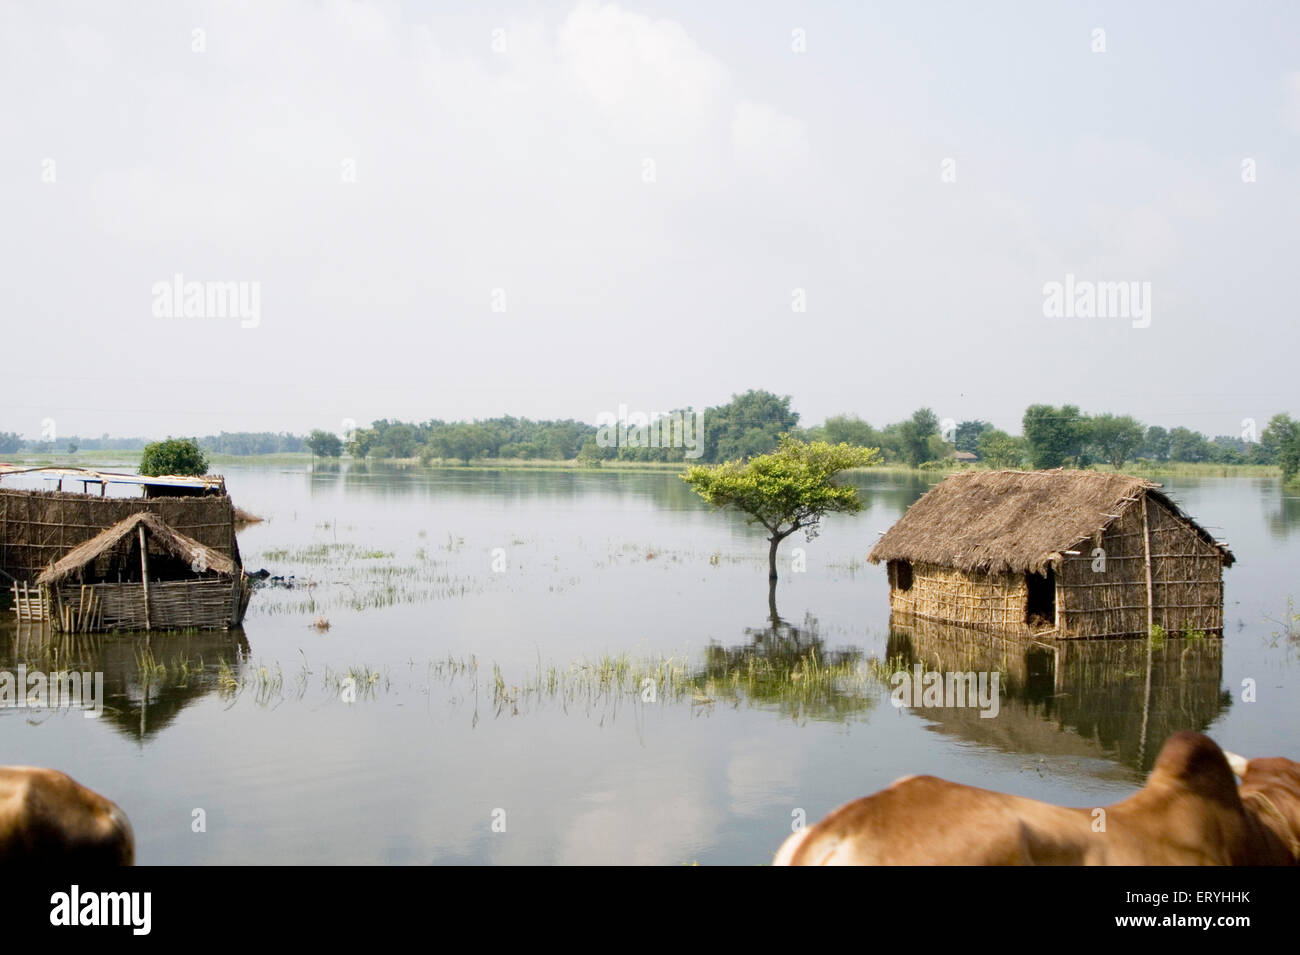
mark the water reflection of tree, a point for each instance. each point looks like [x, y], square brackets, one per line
[1088, 698]
[148, 678]
[1283, 511]
[789, 668]
[896, 492]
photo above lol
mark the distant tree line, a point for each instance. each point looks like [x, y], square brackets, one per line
[747, 425]
[751, 424]
[253, 442]
[11, 441]
[227, 442]
[1055, 437]
[506, 437]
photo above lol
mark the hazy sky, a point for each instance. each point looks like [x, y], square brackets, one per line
[643, 187]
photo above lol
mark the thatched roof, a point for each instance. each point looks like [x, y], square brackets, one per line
[186, 548]
[1016, 521]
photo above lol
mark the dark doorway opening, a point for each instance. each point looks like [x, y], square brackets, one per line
[1040, 606]
[903, 574]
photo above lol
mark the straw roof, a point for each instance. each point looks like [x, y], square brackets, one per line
[1016, 521]
[187, 548]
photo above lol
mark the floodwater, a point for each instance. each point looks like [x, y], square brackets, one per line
[583, 667]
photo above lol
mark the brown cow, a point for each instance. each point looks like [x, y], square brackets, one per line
[1190, 812]
[47, 818]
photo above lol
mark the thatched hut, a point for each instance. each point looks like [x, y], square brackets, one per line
[1054, 554]
[141, 574]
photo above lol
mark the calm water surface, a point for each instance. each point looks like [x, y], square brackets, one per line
[438, 584]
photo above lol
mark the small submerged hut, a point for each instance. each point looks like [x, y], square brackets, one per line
[38, 527]
[141, 574]
[1057, 554]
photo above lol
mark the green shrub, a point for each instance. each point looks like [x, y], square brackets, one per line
[174, 456]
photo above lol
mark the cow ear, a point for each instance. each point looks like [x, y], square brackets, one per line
[1237, 764]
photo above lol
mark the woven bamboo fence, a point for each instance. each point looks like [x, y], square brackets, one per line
[1110, 598]
[205, 604]
[39, 527]
[992, 602]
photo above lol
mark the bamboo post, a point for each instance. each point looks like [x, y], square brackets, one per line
[144, 575]
[1146, 548]
[1146, 695]
[236, 597]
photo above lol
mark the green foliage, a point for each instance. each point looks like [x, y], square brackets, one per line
[505, 437]
[10, 441]
[323, 444]
[998, 449]
[790, 489]
[1282, 437]
[1187, 445]
[1116, 438]
[1155, 445]
[937, 450]
[174, 456]
[968, 435]
[251, 442]
[388, 439]
[1055, 435]
[914, 435]
[849, 429]
[463, 441]
[592, 455]
[749, 424]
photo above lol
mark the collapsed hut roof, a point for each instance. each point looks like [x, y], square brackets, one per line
[186, 548]
[205, 484]
[1017, 521]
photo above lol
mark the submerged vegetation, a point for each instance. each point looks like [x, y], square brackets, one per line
[1288, 632]
[354, 578]
[806, 685]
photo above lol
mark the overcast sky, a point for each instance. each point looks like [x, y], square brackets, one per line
[643, 187]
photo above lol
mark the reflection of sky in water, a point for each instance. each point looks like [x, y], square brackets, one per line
[601, 563]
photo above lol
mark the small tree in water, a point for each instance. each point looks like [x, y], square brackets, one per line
[173, 456]
[787, 490]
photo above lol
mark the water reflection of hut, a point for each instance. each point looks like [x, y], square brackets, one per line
[148, 678]
[1054, 553]
[1090, 698]
[141, 574]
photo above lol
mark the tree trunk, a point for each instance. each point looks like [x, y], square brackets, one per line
[771, 557]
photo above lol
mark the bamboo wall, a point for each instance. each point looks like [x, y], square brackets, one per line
[1186, 572]
[981, 601]
[38, 527]
[206, 604]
